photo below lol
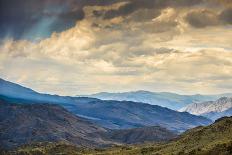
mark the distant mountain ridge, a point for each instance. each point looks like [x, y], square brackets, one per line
[211, 109]
[165, 99]
[127, 114]
[17, 91]
[110, 114]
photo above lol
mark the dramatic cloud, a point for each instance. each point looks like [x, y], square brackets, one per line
[226, 16]
[110, 45]
[40, 18]
[202, 18]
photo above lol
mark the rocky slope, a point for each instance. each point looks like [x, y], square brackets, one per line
[211, 109]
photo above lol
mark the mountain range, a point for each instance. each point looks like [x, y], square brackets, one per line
[215, 139]
[211, 109]
[34, 123]
[107, 113]
[22, 124]
[165, 99]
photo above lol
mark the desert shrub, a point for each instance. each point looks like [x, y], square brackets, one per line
[23, 153]
[147, 150]
[181, 153]
[99, 149]
[2, 152]
[229, 148]
[37, 152]
[126, 148]
[193, 152]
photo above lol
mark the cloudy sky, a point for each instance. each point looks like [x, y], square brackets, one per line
[85, 46]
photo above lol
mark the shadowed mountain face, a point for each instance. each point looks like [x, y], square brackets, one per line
[109, 114]
[164, 99]
[126, 114]
[215, 139]
[22, 124]
[211, 109]
[140, 135]
[26, 124]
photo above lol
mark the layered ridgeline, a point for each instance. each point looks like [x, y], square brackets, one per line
[109, 114]
[215, 139]
[211, 109]
[165, 99]
[22, 124]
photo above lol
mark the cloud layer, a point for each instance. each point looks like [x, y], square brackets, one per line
[91, 46]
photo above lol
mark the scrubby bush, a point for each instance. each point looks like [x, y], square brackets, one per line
[147, 150]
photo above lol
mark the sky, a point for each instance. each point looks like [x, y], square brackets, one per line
[76, 47]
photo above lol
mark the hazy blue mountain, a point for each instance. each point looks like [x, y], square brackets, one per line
[165, 99]
[17, 92]
[109, 114]
[216, 115]
[211, 109]
[128, 114]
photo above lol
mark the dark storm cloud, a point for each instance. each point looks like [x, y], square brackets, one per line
[226, 16]
[134, 5]
[202, 18]
[67, 20]
[18, 17]
[30, 19]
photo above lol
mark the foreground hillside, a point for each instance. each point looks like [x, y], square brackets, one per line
[109, 114]
[215, 139]
[22, 124]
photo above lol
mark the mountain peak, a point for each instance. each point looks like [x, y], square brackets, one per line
[211, 109]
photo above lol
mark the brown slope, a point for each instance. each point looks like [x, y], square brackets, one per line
[141, 135]
[215, 139]
[22, 124]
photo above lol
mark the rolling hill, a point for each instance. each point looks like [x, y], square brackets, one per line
[215, 139]
[22, 124]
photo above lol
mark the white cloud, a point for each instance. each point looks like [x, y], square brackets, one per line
[163, 54]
